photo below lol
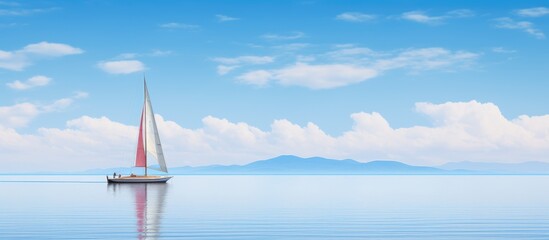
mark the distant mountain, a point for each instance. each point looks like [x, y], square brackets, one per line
[288, 164]
[499, 168]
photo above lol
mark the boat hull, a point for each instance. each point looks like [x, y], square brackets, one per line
[140, 179]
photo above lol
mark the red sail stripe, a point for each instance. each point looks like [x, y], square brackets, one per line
[140, 160]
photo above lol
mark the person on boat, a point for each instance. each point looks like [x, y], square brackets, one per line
[119, 175]
[114, 175]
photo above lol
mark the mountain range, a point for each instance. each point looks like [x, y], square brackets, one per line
[289, 164]
[499, 168]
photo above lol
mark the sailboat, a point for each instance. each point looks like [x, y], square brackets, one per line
[148, 143]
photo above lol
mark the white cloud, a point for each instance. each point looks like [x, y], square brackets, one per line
[244, 60]
[122, 67]
[258, 77]
[14, 61]
[69, 148]
[460, 131]
[58, 105]
[36, 81]
[426, 59]
[19, 115]
[533, 12]
[224, 69]
[291, 36]
[502, 50]
[229, 64]
[80, 94]
[175, 25]
[350, 53]
[355, 17]
[350, 64]
[422, 17]
[51, 49]
[322, 76]
[311, 76]
[225, 18]
[476, 126]
[20, 59]
[525, 26]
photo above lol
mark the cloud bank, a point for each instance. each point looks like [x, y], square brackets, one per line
[19, 115]
[460, 131]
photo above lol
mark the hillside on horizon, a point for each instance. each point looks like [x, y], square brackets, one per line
[294, 165]
[289, 164]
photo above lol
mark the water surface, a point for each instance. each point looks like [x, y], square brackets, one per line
[276, 207]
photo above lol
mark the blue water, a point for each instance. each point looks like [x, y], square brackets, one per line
[276, 207]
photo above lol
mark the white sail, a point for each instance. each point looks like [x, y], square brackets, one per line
[153, 145]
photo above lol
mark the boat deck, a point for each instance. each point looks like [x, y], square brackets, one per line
[139, 179]
[145, 177]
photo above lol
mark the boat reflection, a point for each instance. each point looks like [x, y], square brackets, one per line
[149, 205]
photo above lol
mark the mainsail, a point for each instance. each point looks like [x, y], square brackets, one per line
[149, 141]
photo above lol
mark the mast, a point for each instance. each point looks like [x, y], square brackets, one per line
[145, 122]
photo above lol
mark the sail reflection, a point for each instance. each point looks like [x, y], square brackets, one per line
[149, 206]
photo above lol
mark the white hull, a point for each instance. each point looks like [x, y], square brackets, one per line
[139, 179]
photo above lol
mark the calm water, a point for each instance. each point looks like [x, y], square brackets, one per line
[276, 207]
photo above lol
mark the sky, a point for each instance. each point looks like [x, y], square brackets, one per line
[231, 82]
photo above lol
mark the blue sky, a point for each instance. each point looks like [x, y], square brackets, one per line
[228, 76]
